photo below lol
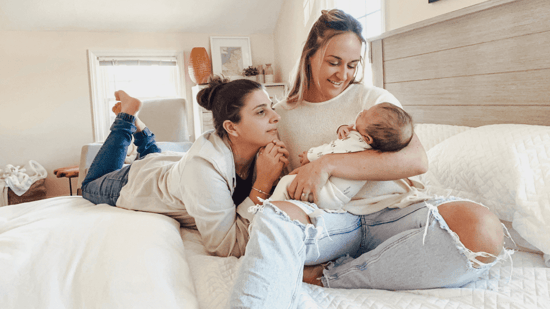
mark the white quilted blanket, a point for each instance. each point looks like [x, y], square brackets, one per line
[528, 287]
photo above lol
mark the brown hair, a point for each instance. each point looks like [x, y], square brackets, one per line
[330, 24]
[394, 132]
[225, 99]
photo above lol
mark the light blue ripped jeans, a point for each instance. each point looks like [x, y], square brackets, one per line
[393, 249]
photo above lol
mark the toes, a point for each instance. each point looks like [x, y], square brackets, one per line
[116, 109]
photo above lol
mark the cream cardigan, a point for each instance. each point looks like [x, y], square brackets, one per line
[196, 189]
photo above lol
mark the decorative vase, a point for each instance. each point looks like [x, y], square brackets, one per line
[268, 73]
[199, 67]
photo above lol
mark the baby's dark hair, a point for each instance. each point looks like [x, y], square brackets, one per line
[225, 99]
[395, 130]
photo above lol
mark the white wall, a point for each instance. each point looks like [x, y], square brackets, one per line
[401, 13]
[45, 109]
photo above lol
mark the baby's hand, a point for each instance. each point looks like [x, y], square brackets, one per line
[303, 158]
[343, 131]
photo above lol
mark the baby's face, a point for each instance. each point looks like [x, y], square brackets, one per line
[367, 117]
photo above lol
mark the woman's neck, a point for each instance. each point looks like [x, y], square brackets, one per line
[243, 156]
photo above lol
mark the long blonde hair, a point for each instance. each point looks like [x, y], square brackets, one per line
[330, 24]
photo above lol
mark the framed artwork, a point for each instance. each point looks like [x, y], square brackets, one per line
[230, 55]
[430, 1]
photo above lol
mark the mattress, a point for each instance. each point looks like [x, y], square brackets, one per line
[66, 252]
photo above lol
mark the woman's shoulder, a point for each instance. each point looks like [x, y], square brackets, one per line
[371, 95]
[209, 145]
[212, 148]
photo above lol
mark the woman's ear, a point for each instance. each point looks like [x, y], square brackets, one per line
[230, 128]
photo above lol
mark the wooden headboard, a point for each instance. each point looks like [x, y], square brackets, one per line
[484, 64]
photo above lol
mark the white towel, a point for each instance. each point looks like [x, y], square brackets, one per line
[18, 180]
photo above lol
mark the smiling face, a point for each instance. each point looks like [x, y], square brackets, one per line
[258, 125]
[333, 67]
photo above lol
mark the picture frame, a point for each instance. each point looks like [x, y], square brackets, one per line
[230, 56]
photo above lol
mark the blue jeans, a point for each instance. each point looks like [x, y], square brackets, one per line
[107, 174]
[393, 249]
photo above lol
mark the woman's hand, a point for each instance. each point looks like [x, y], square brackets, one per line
[310, 178]
[270, 163]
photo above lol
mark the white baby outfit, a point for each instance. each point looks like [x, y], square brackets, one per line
[337, 191]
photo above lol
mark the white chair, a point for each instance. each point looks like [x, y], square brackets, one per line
[166, 118]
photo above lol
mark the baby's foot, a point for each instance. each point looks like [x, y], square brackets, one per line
[116, 108]
[313, 274]
[129, 105]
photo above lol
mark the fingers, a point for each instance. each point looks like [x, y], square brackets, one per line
[283, 151]
[279, 143]
[269, 147]
[292, 187]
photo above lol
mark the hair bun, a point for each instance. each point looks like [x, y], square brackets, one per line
[205, 97]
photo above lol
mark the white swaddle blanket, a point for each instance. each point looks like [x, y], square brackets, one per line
[19, 180]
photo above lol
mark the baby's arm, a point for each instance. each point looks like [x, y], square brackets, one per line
[353, 143]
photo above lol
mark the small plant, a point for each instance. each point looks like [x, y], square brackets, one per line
[251, 71]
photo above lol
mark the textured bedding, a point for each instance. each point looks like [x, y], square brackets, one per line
[528, 287]
[68, 253]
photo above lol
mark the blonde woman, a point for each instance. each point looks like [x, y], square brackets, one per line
[394, 240]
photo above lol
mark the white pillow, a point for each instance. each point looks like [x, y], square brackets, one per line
[505, 167]
[431, 134]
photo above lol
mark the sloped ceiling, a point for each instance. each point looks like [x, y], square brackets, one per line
[194, 16]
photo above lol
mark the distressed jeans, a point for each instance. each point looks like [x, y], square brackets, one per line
[393, 249]
[107, 174]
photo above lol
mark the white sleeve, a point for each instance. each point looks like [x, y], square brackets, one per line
[207, 198]
[353, 143]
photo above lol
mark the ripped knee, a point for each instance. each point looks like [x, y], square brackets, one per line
[478, 229]
[294, 212]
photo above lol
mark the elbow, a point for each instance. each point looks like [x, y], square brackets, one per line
[422, 166]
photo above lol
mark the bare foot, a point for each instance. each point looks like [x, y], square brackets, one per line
[129, 105]
[116, 108]
[313, 274]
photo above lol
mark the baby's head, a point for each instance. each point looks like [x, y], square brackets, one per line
[385, 127]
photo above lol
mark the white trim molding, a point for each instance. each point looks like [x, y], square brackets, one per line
[100, 112]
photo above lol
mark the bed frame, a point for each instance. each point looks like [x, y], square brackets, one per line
[484, 64]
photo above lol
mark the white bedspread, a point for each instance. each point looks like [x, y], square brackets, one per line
[68, 253]
[528, 287]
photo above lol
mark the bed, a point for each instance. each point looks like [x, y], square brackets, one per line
[475, 81]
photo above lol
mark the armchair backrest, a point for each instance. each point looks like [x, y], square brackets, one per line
[167, 118]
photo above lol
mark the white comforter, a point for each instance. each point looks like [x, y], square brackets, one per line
[68, 253]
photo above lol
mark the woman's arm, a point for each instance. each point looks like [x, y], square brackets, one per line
[366, 165]
[205, 193]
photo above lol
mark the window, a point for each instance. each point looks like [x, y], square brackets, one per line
[367, 12]
[371, 15]
[145, 75]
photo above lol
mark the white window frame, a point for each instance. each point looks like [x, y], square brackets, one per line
[98, 84]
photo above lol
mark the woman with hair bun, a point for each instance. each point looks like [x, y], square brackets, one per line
[210, 187]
